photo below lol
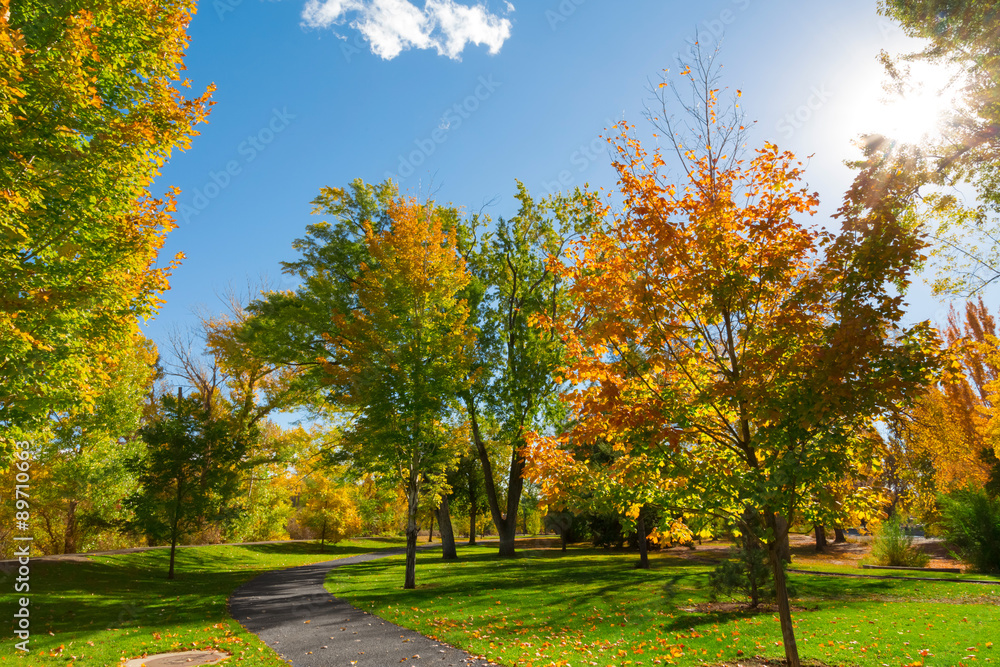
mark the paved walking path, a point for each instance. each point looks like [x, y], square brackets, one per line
[292, 612]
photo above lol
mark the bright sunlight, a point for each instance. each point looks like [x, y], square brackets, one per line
[919, 111]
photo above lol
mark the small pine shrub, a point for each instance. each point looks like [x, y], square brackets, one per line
[892, 546]
[570, 527]
[746, 572]
[971, 522]
[606, 531]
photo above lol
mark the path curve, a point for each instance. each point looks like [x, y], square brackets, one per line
[277, 605]
[896, 577]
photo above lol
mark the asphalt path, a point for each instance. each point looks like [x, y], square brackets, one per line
[292, 612]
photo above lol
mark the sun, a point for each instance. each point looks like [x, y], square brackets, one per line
[918, 113]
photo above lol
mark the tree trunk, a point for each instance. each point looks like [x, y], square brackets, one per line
[322, 537]
[781, 529]
[507, 533]
[173, 550]
[820, 537]
[641, 538]
[472, 524]
[411, 534]
[505, 522]
[781, 591]
[473, 507]
[838, 536]
[69, 540]
[447, 534]
[175, 528]
[430, 532]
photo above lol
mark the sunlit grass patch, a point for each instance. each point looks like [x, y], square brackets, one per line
[593, 608]
[97, 612]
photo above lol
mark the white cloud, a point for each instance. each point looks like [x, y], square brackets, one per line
[392, 26]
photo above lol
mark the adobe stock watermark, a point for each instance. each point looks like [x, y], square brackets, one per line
[22, 540]
[351, 47]
[223, 7]
[562, 12]
[820, 95]
[711, 31]
[889, 28]
[795, 120]
[451, 120]
[581, 159]
[247, 150]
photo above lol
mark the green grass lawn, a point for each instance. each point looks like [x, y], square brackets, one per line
[847, 569]
[95, 613]
[590, 607]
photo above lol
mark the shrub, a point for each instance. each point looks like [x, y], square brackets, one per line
[971, 523]
[892, 546]
[747, 572]
[570, 527]
[606, 530]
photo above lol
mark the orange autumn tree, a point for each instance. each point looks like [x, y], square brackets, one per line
[953, 427]
[719, 336]
[90, 109]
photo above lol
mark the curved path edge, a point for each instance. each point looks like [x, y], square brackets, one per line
[294, 614]
[886, 576]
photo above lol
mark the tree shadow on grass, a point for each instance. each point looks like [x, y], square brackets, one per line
[332, 550]
[75, 600]
[560, 588]
[574, 581]
[810, 587]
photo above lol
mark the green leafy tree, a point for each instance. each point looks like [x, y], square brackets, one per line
[85, 456]
[971, 521]
[90, 109]
[379, 331]
[515, 355]
[962, 35]
[468, 492]
[226, 370]
[190, 470]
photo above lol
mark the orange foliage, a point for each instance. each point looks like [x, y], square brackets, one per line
[955, 424]
[90, 109]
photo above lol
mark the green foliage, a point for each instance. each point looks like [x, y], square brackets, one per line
[961, 34]
[570, 527]
[81, 461]
[90, 109]
[189, 472]
[265, 512]
[971, 522]
[514, 285]
[379, 332]
[746, 572]
[606, 530]
[892, 546]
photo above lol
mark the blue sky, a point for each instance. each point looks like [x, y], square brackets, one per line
[375, 91]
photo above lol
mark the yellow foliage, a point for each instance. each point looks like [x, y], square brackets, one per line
[330, 510]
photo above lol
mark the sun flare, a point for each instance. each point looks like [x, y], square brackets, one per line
[919, 112]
